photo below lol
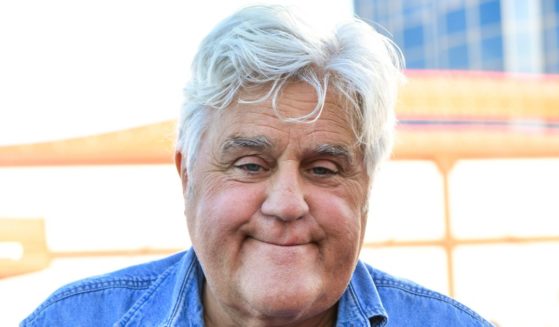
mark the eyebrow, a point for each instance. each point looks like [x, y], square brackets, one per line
[334, 150]
[257, 143]
[262, 143]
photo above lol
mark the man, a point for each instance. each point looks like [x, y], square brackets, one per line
[278, 142]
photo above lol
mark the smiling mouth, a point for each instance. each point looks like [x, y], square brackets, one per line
[282, 244]
[284, 254]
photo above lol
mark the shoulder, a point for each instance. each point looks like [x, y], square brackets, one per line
[101, 300]
[408, 304]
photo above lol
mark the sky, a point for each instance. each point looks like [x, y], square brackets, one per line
[73, 68]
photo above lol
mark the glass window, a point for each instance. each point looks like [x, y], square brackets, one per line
[493, 65]
[413, 37]
[492, 53]
[456, 21]
[548, 39]
[418, 63]
[458, 57]
[398, 38]
[489, 12]
[492, 48]
[413, 8]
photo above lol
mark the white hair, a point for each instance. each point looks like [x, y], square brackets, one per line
[265, 47]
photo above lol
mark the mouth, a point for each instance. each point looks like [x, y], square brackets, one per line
[282, 243]
[281, 253]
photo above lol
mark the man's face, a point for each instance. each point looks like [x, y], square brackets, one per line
[276, 211]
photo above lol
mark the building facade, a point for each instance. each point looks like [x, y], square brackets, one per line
[491, 35]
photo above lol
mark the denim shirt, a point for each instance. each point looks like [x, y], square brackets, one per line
[168, 292]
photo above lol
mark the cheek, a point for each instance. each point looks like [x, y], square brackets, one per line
[342, 220]
[219, 209]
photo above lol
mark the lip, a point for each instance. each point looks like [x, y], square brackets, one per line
[280, 253]
[287, 243]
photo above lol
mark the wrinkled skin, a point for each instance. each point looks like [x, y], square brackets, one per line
[276, 212]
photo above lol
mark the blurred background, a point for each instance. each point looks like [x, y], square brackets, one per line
[468, 205]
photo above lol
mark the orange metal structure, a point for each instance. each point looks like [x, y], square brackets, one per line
[444, 117]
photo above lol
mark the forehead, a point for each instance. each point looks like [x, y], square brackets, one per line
[296, 100]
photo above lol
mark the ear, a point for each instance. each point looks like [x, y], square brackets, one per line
[182, 173]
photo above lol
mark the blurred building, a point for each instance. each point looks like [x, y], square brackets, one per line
[491, 35]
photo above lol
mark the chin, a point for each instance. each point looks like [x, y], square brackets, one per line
[288, 303]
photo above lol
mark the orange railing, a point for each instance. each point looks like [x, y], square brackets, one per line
[444, 117]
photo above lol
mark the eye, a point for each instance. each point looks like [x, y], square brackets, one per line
[250, 167]
[323, 169]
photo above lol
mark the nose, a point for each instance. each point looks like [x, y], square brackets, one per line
[285, 198]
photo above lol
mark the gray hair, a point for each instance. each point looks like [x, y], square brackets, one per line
[265, 47]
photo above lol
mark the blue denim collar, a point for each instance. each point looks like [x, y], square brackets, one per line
[360, 304]
[174, 299]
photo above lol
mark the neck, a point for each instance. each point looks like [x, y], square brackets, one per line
[219, 314]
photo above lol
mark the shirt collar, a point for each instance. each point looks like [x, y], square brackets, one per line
[360, 304]
[188, 293]
[174, 299]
